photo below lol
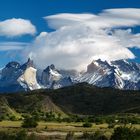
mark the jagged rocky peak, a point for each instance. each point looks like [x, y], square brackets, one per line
[104, 64]
[16, 77]
[53, 78]
[51, 67]
[49, 75]
[29, 63]
[28, 79]
[92, 67]
[98, 65]
[13, 64]
[52, 73]
[9, 72]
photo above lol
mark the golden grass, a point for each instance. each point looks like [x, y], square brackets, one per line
[61, 127]
[55, 126]
[10, 124]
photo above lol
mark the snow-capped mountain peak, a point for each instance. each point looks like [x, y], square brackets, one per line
[16, 77]
[118, 74]
[52, 78]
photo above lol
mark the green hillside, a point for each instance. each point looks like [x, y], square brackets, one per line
[81, 99]
[89, 100]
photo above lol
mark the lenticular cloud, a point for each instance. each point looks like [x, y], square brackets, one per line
[80, 38]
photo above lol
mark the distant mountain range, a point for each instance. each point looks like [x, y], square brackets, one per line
[119, 74]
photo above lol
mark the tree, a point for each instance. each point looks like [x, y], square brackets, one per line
[29, 122]
[123, 133]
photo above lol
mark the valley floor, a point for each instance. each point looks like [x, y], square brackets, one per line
[56, 130]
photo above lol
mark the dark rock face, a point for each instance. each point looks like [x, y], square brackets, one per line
[28, 64]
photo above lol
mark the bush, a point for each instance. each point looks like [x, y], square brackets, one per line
[12, 118]
[125, 133]
[29, 122]
[87, 124]
[93, 136]
[46, 127]
[112, 125]
[50, 116]
[21, 135]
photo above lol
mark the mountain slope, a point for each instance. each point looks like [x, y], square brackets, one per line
[6, 111]
[87, 99]
[82, 99]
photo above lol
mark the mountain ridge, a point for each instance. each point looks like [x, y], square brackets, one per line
[119, 74]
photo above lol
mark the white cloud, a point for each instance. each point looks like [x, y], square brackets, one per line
[125, 17]
[16, 27]
[9, 46]
[80, 38]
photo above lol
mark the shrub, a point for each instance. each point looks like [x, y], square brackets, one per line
[46, 127]
[93, 136]
[112, 125]
[124, 133]
[12, 118]
[87, 124]
[21, 135]
[29, 122]
[50, 116]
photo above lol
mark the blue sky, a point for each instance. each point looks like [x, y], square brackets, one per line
[35, 10]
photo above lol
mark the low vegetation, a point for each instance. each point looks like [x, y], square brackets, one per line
[120, 133]
[29, 122]
[87, 124]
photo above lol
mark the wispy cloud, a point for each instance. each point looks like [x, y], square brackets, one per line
[9, 46]
[16, 27]
[80, 38]
[126, 17]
